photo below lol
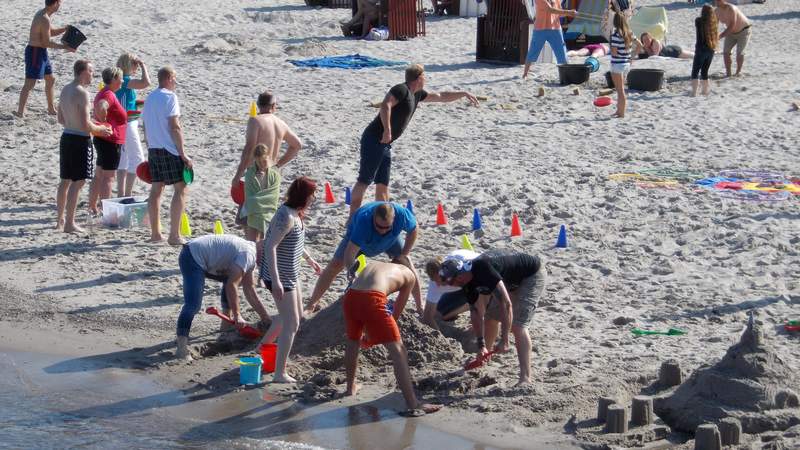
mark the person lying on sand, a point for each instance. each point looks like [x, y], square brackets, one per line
[436, 288]
[517, 282]
[649, 46]
[226, 258]
[364, 305]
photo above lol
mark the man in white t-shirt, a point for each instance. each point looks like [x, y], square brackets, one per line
[226, 258]
[435, 286]
[166, 156]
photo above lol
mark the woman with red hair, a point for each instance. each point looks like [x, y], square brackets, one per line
[283, 246]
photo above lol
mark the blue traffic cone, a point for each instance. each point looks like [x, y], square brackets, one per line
[562, 237]
[476, 220]
[410, 206]
[347, 196]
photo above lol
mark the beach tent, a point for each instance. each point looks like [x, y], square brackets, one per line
[651, 19]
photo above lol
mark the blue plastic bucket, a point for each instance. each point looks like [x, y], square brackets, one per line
[249, 370]
[593, 63]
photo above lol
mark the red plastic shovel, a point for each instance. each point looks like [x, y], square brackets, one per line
[246, 332]
[479, 361]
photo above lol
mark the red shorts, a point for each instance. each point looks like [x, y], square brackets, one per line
[367, 309]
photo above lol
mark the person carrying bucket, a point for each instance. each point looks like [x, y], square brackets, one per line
[226, 258]
[364, 306]
[37, 61]
[283, 246]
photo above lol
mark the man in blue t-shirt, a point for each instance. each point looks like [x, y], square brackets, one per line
[396, 111]
[374, 229]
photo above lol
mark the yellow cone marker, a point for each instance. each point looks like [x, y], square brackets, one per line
[253, 109]
[185, 230]
[465, 243]
[218, 227]
[362, 263]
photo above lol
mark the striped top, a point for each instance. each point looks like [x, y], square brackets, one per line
[623, 55]
[288, 251]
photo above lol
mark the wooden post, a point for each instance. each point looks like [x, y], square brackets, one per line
[617, 419]
[602, 408]
[707, 437]
[730, 430]
[642, 411]
[670, 373]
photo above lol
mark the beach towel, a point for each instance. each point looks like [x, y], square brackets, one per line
[345, 62]
[261, 202]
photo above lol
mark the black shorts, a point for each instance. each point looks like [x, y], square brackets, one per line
[76, 157]
[671, 51]
[376, 160]
[268, 284]
[107, 154]
[164, 166]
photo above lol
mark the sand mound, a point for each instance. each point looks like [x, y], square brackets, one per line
[751, 383]
[222, 44]
[310, 47]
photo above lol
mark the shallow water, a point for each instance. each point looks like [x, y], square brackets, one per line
[49, 401]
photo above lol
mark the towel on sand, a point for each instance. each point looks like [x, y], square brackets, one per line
[345, 62]
[261, 199]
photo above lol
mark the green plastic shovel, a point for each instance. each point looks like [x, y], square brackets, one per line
[670, 332]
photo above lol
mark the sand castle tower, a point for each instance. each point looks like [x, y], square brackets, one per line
[751, 384]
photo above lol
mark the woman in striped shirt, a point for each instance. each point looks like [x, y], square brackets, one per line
[621, 42]
[283, 246]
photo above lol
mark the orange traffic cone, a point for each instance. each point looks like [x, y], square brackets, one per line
[441, 219]
[329, 198]
[516, 230]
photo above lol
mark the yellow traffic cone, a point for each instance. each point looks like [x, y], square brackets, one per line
[362, 263]
[185, 230]
[218, 227]
[465, 243]
[253, 109]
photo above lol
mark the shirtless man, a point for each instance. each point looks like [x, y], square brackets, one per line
[268, 129]
[364, 307]
[37, 62]
[737, 34]
[76, 154]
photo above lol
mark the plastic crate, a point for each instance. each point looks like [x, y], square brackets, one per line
[125, 212]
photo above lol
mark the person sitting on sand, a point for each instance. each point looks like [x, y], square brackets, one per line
[167, 157]
[37, 61]
[262, 185]
[364, 306]
[436, 288]
[226, 258]
[517, 282]
[649, 46]
[75, 148]
[367, 14]
[374, 229]
[283, 246]
[132, 154]
[594, 50]
[268, 129]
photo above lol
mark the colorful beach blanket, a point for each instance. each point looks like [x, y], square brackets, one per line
[345, 62]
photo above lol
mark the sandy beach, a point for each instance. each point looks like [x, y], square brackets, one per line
[652, 255]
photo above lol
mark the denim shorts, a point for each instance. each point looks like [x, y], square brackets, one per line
[620, 68]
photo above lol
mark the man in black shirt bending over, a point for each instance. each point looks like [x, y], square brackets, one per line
[397, 108]
[516, 282]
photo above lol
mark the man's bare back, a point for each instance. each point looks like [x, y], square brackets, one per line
[270, 130]
[73, 107]
[384, 277]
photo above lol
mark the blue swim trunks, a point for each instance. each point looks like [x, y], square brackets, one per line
[37, 63]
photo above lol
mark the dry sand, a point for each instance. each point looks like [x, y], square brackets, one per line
[652, 258]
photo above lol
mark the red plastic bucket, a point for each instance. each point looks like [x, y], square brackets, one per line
[268, 353]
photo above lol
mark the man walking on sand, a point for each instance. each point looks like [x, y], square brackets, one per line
[396, 111]
[166, 155]
[268, 129]
[737, 34]
[364, 306]
[517, 282]
[375, 229]
[37, 61]
[76, 156]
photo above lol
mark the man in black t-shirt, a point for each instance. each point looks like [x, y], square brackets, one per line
[516, 281]
[397, 108]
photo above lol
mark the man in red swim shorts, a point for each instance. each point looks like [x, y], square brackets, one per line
[365, 308]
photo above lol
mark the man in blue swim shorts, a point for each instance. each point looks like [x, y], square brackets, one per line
[37, 61]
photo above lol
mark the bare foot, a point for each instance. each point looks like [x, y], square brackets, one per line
[352, 391]
[618, 115]
[18, 114]
[60, 225]
[52, 112]
[72, 229]
[283, 379]
[156, 238]
[421, 410]
[175, 241]
[523, 382]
